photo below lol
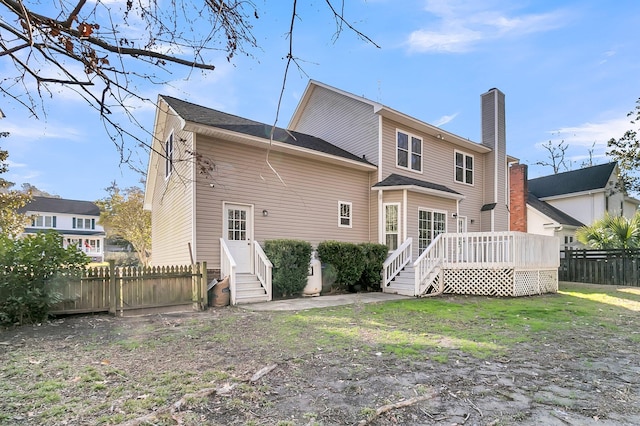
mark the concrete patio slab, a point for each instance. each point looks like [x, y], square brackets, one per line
[303, 303]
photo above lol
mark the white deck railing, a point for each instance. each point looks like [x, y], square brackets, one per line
[396, 261]
[228, 268]
[499, 249]
[427, 264]
[263, 268]
[486, 250]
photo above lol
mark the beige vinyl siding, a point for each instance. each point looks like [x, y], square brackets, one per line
[171, 213]
[342, 121]
[438, 167]
[304, 207]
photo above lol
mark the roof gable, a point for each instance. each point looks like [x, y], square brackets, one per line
[221, 120]
[552, 212]
[61, 205]
[581, 180]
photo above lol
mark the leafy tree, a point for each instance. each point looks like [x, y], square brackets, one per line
[611, 232]
[626, 151]
[11, 222]
[30, 270]
[123, 216]
[27, 188]
[102, 50]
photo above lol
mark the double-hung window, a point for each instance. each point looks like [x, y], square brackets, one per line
[345, 214]
[463, 168]
[392, 225]
[168, 156]
[408, 151]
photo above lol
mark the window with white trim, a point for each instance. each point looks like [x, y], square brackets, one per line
[463, 168]
[83, 223]
[431, 223]
[345, 213]
[168, 156]
[408, 151]
[43, 221]
[392, 225]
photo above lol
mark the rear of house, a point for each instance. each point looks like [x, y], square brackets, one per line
[347, 169]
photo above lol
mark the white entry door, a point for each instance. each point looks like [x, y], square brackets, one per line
[238, 234]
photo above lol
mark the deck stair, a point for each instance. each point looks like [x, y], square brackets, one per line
[249, 289]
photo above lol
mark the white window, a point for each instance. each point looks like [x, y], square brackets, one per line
[344, 214]
[463, 168]
[83, 223]
[392, 225]
[168, 156]
[430, 224]
[44, 222]
[409, 151]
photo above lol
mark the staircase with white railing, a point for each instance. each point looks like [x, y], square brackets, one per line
[428, 280]
[397, 271]
[247, 287]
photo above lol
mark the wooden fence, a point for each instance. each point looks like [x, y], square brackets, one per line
[118, 290]
[614, 267]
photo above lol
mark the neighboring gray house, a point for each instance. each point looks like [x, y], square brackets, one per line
[76, 221]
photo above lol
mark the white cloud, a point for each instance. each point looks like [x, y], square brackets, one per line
[587, 134]
[461, 25]
[445, 119]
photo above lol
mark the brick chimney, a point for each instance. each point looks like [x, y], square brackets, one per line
[518, 192]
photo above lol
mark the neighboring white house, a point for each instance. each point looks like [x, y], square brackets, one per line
[558, 204]
[76, 221]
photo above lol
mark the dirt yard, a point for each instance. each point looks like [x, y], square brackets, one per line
[197, 368]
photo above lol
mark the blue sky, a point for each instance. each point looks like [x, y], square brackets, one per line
[569, 69]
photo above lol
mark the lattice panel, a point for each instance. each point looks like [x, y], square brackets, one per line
[480, 282]
[528, 283]
[433, 288]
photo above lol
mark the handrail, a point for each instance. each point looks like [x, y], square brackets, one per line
[263, 269]
[228, 268]
[431, 258]
[396, 261]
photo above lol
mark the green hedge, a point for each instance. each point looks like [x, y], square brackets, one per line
[374, 257]
[290, 260]
[348, 260]
[356, 265]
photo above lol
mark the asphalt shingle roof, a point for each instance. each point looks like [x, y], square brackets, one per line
[61, 205]
[399, 180]
[214, 118]
[586, 179]
[551, 212]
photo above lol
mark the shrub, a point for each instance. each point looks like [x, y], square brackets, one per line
[374, 257]
[30, 270]
[347, 258]
[290, 260]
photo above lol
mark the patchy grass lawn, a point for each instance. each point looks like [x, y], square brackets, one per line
[569, 357]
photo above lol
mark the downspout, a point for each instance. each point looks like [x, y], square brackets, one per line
[496, 149]
[405, 215]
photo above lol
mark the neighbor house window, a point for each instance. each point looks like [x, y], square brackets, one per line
[409, 151]
[44, 222]
[391, 225]
[344, 214]
[430, 225]
[168, 156]
[464, 168]
[83, 223]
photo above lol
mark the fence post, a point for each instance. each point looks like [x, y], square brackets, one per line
[203, 286]
[113, 293]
